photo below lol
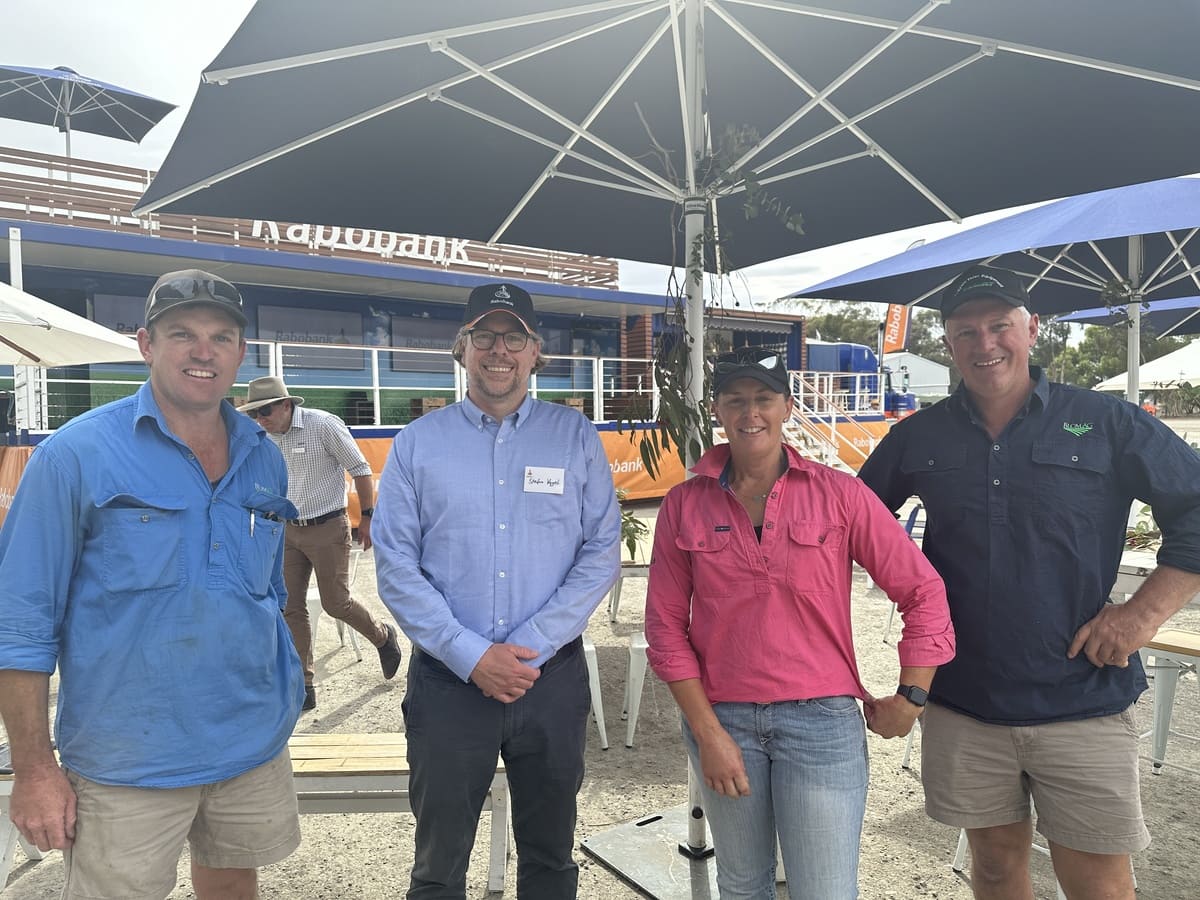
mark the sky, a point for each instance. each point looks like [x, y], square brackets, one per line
[160, 47]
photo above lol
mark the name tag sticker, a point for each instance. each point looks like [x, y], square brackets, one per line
[299, 449]
[543, 480]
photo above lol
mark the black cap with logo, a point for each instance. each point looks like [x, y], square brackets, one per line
[504, 297]
[978, 282]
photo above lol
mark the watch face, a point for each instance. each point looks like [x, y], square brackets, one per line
[915, 695]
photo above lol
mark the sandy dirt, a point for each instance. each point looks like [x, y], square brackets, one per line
[904, 854]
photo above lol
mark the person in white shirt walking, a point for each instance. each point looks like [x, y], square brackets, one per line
[319, 450]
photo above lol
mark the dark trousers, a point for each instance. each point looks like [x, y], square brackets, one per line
[455, 734]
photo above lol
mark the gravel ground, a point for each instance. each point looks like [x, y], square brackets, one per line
[904, 854]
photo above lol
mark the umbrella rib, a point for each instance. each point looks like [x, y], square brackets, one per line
[614, 187]
[1179, 256]
[92, 104]
[559, 148]
[223, 76]
[26, 353]
[681, 85]
[821, 98]
[1072, 59]
[429, 91]
[601, 104]
[534, 103]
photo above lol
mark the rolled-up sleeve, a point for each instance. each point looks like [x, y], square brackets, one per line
[881, 546]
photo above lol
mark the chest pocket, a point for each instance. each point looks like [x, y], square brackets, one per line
[939, 478]
[142, 543]
[1071, 477]
[816, 553]
[713, 565]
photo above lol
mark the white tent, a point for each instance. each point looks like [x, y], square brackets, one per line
[36, 333]
[1163, 373]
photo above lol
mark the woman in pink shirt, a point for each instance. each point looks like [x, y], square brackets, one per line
[748, 622]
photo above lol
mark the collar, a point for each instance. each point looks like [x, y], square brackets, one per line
[960, 400]
[714, 462]
[239, 426]
[478, 418]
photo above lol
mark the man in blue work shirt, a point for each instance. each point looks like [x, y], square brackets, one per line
[496, 534]
[142, 556]
[1027, 487]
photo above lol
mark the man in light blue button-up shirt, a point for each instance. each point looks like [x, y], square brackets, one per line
[497, 534]
[142, 557]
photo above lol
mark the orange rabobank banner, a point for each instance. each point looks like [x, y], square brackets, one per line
[12, 467]
[895, 328]
[624, 458]
[624, 449]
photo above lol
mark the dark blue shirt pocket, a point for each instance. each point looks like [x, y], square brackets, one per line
[941, 480]
[142, 543]
[1072, 477]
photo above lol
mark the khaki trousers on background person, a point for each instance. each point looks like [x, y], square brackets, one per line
[325, 549]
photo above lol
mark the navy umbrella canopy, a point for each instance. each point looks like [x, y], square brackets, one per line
[574, 125]
[63, 98]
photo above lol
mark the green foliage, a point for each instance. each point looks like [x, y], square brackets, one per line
[1145, 533]
[633, 529]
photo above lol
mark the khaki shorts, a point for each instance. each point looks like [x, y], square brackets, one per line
[128, 839]
[1082, 776]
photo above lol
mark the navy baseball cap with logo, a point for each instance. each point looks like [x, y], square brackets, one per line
[978, 282]
[504, 297]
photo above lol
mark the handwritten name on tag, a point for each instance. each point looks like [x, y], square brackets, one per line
[543, 480]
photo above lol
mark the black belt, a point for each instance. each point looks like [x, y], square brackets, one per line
[319, 520]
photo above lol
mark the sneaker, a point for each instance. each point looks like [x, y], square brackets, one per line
[389, 653]
[310, 697]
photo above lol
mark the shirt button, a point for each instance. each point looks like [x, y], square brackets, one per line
[501, 481]
[499, 440]
[145, 518]
[502, 526]
[216, 546]
[995, 447]
[501, 574]
[499, 621]
[996, 482]
[1074, 459]
[769, 526]
[930, 463]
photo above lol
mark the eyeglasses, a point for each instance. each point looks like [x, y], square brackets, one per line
[178, 289]
[482, 339]
[748, 356]
[264, 410]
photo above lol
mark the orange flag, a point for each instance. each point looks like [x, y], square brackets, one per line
[895, 329]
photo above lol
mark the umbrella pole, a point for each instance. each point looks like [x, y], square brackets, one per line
[1133, 348]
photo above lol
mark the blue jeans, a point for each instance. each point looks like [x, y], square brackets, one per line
[807, 765]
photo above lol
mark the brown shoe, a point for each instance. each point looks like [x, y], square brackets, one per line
[389, 653]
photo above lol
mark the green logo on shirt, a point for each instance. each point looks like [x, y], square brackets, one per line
[1079, 430]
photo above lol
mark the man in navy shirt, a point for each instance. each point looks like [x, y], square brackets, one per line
[1027, 487]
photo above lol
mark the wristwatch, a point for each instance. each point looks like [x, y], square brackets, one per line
[913, 694]
[368, 512]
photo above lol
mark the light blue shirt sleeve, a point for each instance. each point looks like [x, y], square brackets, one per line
[420, 609]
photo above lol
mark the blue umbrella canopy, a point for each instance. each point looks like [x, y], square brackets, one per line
[69, 101]
[1180, 315]
[1076, 253]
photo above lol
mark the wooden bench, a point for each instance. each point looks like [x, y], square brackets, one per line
[334, 773]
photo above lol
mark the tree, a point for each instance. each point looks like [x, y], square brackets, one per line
[856, 323]
[1102, 354]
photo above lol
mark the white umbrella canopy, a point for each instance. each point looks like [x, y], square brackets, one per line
[1164, 373]
[34, 332]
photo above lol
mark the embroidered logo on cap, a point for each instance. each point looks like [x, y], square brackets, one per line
[502, 296]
